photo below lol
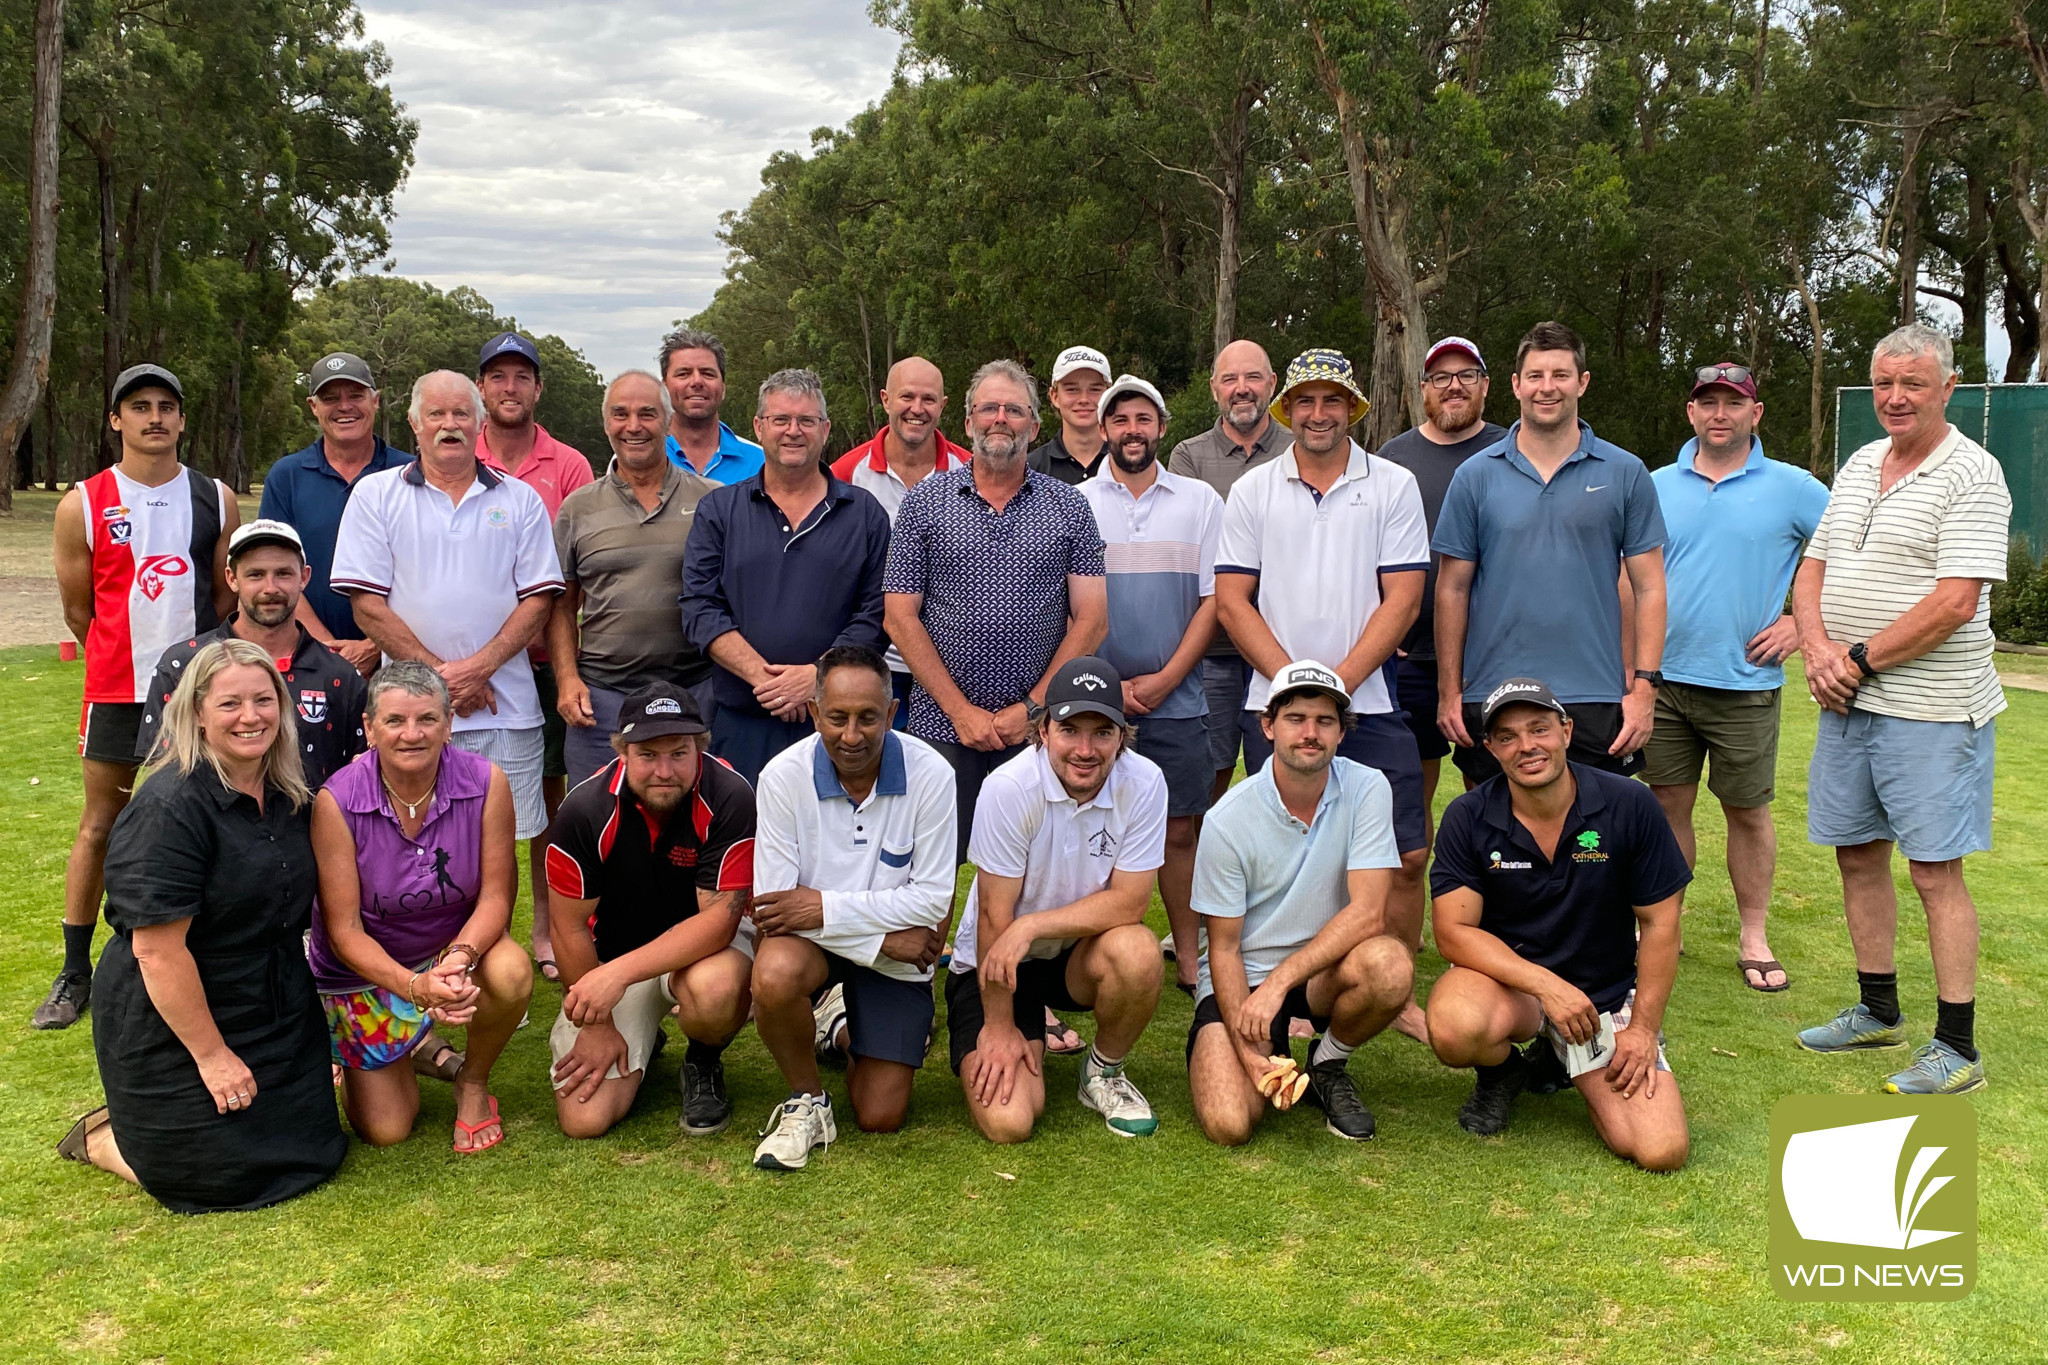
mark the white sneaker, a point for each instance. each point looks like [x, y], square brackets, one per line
[1111, 1094]
[827, 1018]
[797, 1127]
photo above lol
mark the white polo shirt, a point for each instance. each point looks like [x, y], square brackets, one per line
[1318, 560]
[883, 865]
[1159, 551]
[1025, 825]
[453, 572]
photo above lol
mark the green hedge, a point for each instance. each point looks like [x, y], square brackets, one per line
[2019, 606]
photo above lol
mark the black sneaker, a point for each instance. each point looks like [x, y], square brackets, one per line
[706, 1110]
[70, 996]
[1330, 1090]
[1544, 1071]
[1486, 1113]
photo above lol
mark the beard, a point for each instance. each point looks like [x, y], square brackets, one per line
[270, 615]
[1433, 409]
[1135, 464]
[998, 447]
[1248, 424]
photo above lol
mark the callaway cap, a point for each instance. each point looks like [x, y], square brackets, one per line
[1518, 692]
[659, 709]
[143, 377]
[264, 531]
[509, 343]
[1086, 684]
[1082, 358]
[340, 365]
[1130, 383]
[1470, 348]
[1306, 675]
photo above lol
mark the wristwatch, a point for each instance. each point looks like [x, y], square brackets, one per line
[1859, 654]
[1653, 676]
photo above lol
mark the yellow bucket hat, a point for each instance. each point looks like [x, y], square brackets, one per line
[1320, 366]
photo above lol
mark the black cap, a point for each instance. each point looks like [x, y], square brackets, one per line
[143, 377]
[659, 709]
[1086, 684]
[508, 343]
[1518, 692]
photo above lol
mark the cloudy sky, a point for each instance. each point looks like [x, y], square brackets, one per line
[573, 159]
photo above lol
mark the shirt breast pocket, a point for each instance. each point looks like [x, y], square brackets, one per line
[892, 867]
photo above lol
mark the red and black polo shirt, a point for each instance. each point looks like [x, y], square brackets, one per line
[645, 874]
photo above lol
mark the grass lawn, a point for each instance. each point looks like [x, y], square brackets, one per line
[931, 1245]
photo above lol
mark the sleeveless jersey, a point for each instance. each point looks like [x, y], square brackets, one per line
[152, 575]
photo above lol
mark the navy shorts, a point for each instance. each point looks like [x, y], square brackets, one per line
[1382, 742]
[1295, 1006]
[887, 1018]
[1041, 986]
[746, 740]
[1416, 695]
[1181, 749]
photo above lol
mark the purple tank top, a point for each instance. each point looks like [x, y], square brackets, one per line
[416, 893]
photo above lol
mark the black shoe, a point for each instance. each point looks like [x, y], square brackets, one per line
[70, 996]
[1330, 1090]
[1543, 1069]
[706, 1110]
[1486, 1113]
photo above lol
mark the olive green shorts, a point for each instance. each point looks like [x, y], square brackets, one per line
[1733, 735]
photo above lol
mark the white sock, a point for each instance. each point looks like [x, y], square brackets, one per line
[1097, 1063]
[1328, 1049]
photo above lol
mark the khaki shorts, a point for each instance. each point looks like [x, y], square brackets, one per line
[1732, 734]
[637, 1017]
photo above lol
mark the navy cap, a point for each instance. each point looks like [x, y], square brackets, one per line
[660, 709]
[1518, 692]
[1086, 684]
[146, 376]
[508, 343]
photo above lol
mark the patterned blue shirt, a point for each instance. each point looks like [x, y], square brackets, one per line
[994, 584]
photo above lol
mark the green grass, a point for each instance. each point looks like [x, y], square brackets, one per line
[1425, 1245]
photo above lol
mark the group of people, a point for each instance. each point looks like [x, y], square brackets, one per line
[753, 711]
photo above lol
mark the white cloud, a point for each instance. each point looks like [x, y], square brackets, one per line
[573, 159]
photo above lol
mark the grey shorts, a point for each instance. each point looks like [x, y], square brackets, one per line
[518, 755]
[1181, 749]
[1226, 681]
[1924, 785]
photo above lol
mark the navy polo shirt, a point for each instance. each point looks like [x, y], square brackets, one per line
[1576, 915]
[791, 592]
[304, 492]
[1544, 598]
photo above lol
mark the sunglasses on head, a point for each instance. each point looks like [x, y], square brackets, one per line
[1722, 374]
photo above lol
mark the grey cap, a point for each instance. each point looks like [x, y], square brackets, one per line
[146, 376]
[340, 365]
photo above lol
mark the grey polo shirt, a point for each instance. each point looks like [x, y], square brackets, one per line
[628, 562]
[1220, 462]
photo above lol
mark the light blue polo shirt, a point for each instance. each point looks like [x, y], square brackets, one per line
[1284, 879]
[1730, 556]
[737, 459]
[1544, 598]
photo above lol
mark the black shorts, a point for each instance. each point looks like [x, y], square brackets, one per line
[887, 1018]
[1294, 1007]
[1380, 742]
[109, 731]
[1041, 985]
[1416, 695]
[553, 729]
[1594, 726]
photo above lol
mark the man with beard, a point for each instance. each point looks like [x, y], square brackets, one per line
[995, 580]
[1534, 541]
[1331, 541]
[1074, 453]
[692, 367]
[1291, 883]
[1159, 534]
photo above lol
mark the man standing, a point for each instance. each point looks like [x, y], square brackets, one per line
[1332, 541]
[780, 568]
[1291, 883]
[692, 366]
[995, 580]
[141, 553]
[1557, 890]
[621, 541]
[1737, 523]
[308, 489]
[1078, 378]
[1159, 534]
[650, 864]
[1067, 840]
[1245, 436]
[1893, 606]
[902, 454]
[853, 885]
[1535, 538]
[451, 564]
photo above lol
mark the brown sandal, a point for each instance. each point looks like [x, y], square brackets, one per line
[72, 1146]
[1763, 967]
[435, 1056]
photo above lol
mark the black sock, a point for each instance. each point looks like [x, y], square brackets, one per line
[78, 949]
[1880, 995]
[704, 1054]
[1488, 1075]
[1956, 1025]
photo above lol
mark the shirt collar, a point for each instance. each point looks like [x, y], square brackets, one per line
[383, 455]
[1056, 790]
[1270, 790]
[546, 449]
[416, 474]
[1939, 455]
[226, 631]
[893, 780]
[1357, 466]
[1750, 465]
[1505, 448]
[1166, 482]
[671, 479]
[875, 455]
[1227, 445]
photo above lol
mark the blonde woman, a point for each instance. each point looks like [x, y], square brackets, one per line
[208, 1031]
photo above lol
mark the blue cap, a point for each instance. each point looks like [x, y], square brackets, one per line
[508, 343]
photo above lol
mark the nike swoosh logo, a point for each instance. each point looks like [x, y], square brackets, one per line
[1595, 487]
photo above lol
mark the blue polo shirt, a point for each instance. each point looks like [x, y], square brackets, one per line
[303, 491]
[737, 458]
[1574, 915]
[1544, 598]
[791, 592]
[1732, 549]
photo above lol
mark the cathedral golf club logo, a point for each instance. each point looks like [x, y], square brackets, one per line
[1873, 1198]
[1589, 850]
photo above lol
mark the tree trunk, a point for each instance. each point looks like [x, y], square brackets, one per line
[29, 372]
[1909, 226]
[53, 440]
[1230, 223]
[235, 472]
[2022, 318]
[1818, 458]
[112, 325]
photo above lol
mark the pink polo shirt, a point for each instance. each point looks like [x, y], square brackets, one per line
[554, 471]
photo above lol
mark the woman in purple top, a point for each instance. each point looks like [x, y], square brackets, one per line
[417, 877]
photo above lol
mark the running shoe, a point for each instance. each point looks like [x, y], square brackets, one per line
[1330, 1090]
[1110, 1093]
[1492, 1102]
[70, 996]
[1855, 1029]
[827, 1017]
[800, 1125]
[706, 1109]
[1938, 1069]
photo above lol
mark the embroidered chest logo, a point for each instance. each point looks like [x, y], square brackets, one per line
[312, 707]
[1496, 865]
[496, 516]
[1102, 844]
[120, 530]
[151, 573]
[1589, 850]
[680, 856]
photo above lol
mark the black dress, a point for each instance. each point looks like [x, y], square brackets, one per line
[191, 847]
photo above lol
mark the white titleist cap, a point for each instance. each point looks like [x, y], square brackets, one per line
[1082, 358]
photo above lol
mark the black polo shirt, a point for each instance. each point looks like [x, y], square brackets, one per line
[1052, 458]
[644, 874]
[327, 695]
[1575, 916]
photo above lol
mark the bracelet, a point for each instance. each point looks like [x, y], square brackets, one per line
[474, 956]
[410, 995]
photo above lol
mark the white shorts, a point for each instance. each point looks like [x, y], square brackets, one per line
[637, 1017]
[519, 755]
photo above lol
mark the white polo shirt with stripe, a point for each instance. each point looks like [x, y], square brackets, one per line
[1884, 552]
[1159, 551]
[1319, 559]
[453, 572]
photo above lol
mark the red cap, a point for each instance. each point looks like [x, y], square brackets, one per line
[1453, 344]
[1725, 374]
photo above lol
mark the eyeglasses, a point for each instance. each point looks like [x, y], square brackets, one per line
[1722, 374]
[1443, 379]
[1014, 411]
[783, 421]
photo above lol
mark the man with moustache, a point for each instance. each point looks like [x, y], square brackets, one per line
[902, 453]
[1159, 533]
[692, 367]
[621, 541]
[781, 567]
[1536, 536]
[1079, 376]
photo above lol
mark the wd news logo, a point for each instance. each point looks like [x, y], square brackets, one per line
[1873, 1198]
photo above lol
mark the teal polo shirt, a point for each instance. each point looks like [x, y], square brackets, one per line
[737, 460]
[1729, 558]
[1548, 557]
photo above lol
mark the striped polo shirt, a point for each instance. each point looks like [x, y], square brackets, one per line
[1885, 551]
[1159, 551]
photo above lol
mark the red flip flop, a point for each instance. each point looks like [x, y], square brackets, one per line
[470, 1130]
